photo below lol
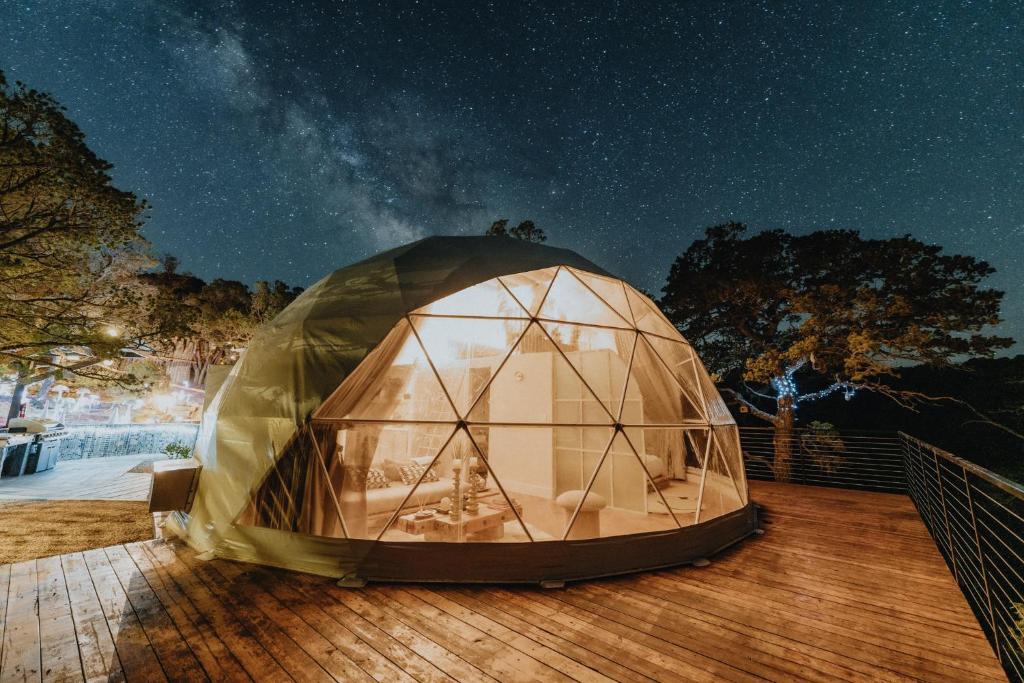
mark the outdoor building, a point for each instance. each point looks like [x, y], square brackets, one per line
[510, 404]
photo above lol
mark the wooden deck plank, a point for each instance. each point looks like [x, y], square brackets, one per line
[239, 639]
[329, 649]
[844, 585]
[348, 642]
[273, 635]
[136, 653]
[21, 661]
[205, 642]
[5, 583]
[58, 643]
[95, 642]
[171, 649]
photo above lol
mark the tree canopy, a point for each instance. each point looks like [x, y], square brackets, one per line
[194, 324]
[69, 240]
[829, 311]
[526, 230]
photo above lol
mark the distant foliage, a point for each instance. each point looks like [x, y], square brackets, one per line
[177, 451]
[526, 231]
[196, 324]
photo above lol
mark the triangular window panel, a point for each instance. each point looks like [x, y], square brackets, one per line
[653, 396]
[368, 465]
[488, 299]
[466, 352]
[599, 354]
[727, 441]
[570, 301]
[537, 385]
[675, 463]
[647, 316]
[611, 291]
[678, 359]
[719, 496]
[455, 498]
[407, 389]
[618, 501]
[536, 465]
[298, 492]
[718, 412]
[530, 288]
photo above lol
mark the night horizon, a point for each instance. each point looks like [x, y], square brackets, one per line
[286, 143]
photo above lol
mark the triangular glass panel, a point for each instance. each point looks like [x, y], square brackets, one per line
[653, 396]
[530, 287]
[455, 498]
[536, 465]
[368, 465]
[570, 301]
[611, 291]
[297, 493]
[487, 299]
[719, 495]
[407, 389]
[466, 352]
[618, 501]
[537, 385]
[718, 412]
[679, 359]
[675, 464]
[599, 354]
[647, 316]
[727, 441]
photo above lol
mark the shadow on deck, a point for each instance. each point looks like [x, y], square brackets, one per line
[844, 585]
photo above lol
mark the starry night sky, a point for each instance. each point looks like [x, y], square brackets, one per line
[286, 139]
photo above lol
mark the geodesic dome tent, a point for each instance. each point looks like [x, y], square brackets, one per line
[469, 409]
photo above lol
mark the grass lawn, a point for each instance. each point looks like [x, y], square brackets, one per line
[41, 528]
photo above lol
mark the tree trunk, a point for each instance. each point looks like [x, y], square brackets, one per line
[783, 439]
[15, 408]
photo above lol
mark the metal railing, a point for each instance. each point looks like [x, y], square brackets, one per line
[871, 461]
[976, 518]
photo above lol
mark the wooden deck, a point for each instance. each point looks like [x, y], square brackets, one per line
[843, 586]
[90, 479]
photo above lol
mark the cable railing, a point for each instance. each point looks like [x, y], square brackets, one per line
[976, 518]
[871, 461]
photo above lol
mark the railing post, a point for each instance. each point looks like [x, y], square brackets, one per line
[945, 518]
[984, 571]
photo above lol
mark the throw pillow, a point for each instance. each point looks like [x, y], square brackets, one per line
[376, 479]
[411, 474]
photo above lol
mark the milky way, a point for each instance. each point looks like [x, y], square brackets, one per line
[283, 140]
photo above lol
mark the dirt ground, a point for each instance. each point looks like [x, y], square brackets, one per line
[29, 530]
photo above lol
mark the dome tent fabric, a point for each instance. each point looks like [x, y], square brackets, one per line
[421, 360]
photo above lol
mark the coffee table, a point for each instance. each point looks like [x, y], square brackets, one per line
[488, 524]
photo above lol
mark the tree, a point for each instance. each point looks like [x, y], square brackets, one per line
[526, 230]
[69, 240]
[787, 319]
[195, 324]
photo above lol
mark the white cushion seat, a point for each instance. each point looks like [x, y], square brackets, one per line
[588, 521]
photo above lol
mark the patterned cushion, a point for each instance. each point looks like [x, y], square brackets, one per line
[411, 473]
[375, 479]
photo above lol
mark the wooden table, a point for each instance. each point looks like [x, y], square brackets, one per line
[488, 524]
